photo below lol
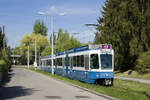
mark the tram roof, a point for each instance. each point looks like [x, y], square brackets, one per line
[78, 49]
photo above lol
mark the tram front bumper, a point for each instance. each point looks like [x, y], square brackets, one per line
[100, 75]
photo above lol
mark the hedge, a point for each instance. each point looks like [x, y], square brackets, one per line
[3, 66]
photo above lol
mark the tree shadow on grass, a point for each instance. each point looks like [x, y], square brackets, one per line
[14, 92]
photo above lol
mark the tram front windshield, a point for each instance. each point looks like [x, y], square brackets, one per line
[106, 61]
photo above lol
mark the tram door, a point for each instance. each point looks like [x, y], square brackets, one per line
[71, 62]
[86, 62]
[67, 62]
[86, 65]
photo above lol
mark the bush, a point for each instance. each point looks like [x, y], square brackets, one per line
[3, 66]
[143, 62]
[5, 55]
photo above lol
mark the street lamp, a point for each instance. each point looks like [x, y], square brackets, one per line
[91, 24]
[51, 28]
[28, 57]
[75, 33]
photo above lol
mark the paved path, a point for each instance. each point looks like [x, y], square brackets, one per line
[27, 85]
[134, 79]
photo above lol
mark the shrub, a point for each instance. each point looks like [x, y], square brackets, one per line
[143, 62]
[4, 54]
[3, 66]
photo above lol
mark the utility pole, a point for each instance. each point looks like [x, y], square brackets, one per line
[28, 57]
[13, 58]
[51, 28]
[52, 45]
[39, 59]
[35, 62]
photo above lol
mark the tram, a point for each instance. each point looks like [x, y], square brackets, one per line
[90, 64]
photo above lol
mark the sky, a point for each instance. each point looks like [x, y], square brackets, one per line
[19, 16]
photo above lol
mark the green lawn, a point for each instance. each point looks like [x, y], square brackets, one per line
[133, 74]
[124, 90]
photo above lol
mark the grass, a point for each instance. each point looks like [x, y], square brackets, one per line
[133, 74]
[124, 90]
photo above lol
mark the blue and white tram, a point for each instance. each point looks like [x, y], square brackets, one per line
[91, 64]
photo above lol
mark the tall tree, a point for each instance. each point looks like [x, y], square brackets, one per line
[1, 39]
[59, 41]
[125, 24]
[3, 42]
[5, 51]
[40, 28]
[64, 42]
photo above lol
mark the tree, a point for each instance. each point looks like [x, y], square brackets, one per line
[126, 25]
[5, 51]
[46, 51]
[59, 41]
[143, 62]
[73, 43]
[1, 39]
[30, 39]
[17, 50]
[64, 42]
[40, 28]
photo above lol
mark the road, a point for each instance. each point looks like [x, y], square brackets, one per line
[24, 84]
[134, 79]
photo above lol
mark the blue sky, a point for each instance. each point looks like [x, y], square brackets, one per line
[19, 16]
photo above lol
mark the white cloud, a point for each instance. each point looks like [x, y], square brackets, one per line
[69, 10]
[81, 11]
[53, 9]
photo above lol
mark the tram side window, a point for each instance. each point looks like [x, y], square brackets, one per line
[86, 62]
[74, 61]
[49, 62]
[70, 62]
[82, 60]
[63, 62]
[94, 64]
[54, 62]
[78, 61]
[59, 62]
